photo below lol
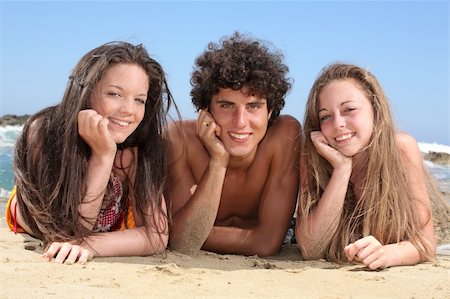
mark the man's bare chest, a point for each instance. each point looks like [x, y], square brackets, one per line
[241, 196]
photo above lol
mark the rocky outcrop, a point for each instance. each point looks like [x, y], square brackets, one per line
[13, 120]
[438, 158]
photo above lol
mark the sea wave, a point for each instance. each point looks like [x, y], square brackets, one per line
[4, 193]
[433, 147]
[8, 135]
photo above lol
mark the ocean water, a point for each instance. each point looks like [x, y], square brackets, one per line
[9, 134]
[8, 137]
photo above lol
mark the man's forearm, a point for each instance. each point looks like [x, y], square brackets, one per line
[193, 223]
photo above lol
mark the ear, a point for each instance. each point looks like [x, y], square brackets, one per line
[270, 114]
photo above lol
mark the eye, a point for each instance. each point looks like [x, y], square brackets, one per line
[349, 109]
[113, 94]
[226, 105]
[254, 105]
[141, 101]
[324, 117]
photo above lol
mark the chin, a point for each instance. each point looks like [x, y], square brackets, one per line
[348, 152]
[238, 152]
[120, 140]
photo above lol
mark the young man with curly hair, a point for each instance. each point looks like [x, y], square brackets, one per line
[234, 170]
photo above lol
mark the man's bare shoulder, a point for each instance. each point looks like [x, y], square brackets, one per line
[183, 135]
[283, 135]
[284, 126]
[181, 129]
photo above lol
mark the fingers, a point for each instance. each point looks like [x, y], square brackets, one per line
[379, 263]
[103, 126]
[350, 251]
[94, 122]
[67, 253]
[52, 251]
[317, 137]
[208, 131]
[320, 143]
[93, 129]
[358, 248]
[207, 128]
[88, 119]
[370, 245]
[205, 122]
[368, 251]
[331, 154]
[70, 256]
[85, 256]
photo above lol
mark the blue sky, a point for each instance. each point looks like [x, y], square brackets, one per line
[404, 43]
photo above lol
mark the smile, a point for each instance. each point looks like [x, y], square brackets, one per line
[119, 122]
[239, 136]
[345, 137]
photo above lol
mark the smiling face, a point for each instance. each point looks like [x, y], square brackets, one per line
[243, 120]
[346, 116]
[120, 96]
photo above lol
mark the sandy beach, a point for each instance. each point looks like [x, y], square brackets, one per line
[24, 275]
[210, 275]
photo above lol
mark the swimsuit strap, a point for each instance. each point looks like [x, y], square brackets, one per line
[111, 214]
[15, 218]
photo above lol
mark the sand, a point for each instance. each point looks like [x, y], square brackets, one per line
[210, 275]
[24, 275]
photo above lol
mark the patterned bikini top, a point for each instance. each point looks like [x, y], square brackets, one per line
[110, 215]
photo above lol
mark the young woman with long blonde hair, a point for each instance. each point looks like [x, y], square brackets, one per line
[363, 193]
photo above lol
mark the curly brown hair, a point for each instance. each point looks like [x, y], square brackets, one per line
[238, 62]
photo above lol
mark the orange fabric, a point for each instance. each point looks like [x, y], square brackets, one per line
[10, 221]
[130, 219]
[10, 218]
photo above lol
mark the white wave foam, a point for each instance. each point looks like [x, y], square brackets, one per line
[8, 135]
[443, 249]
[430, 164]
[433, 147]
[4, 193]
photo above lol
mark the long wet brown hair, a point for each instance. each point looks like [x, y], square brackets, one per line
[51, 158]
[386, 209]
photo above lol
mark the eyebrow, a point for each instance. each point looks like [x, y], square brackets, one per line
[342, 104]
[119, 87]
[222, 100]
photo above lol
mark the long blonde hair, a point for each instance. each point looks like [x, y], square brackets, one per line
[385, 209]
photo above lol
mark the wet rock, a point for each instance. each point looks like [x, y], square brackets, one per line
[438, 158]
[13, 120]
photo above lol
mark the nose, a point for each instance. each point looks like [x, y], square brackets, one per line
[339, 121]
[128, 106]
[240, 117]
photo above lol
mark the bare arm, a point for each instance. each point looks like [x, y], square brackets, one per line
[139, 241]
[277, 202]
[93, 128]
[94, 131]
[314, 232]
[369, 251]
[195, 204]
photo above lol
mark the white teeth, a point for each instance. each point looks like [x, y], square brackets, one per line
[119, 122]
[239, 136]
[343, 137]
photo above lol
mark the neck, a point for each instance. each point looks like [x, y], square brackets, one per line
[241, 163]
[359, 168]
